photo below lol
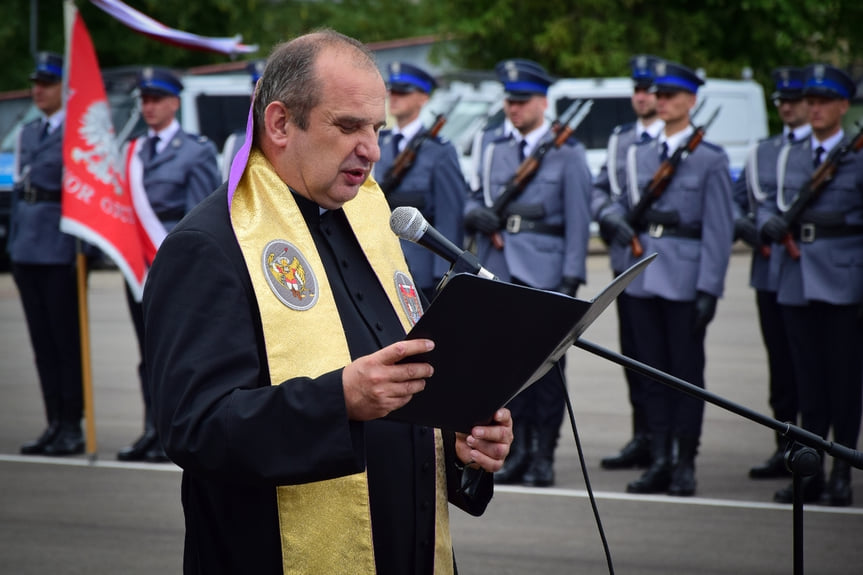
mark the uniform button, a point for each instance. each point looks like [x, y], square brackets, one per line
[345, 264]
[328, 230]
[379, 326]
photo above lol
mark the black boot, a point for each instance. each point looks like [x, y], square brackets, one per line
[519, 456]
[37, 446]
[683, 472]
[838, 493]
[138, 450]
[540, 471]
[636, 453]
[774, 467]
[69, 440]
[658, 476]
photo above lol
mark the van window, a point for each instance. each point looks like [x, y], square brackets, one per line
[604, 116]
[220, 115]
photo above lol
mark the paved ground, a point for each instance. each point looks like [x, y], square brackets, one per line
[73, 515]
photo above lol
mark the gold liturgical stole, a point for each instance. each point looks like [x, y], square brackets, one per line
[325, 526]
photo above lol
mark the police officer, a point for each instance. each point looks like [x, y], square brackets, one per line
[607, 190]
[544, 233]
[757, 184]
[179, 170]
[43, 264]
[820, 293]
[236, 139]
[691, 227]
[434, 183]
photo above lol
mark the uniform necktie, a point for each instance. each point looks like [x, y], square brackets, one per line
[819, 151]
[397, 140]
[645, 137]
[46, 129]
[153, 142]
[663, 155]
[790, 136]
[521, 146]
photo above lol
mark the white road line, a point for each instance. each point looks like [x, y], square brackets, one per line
[541, 491]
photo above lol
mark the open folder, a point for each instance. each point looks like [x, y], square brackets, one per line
[492, 340]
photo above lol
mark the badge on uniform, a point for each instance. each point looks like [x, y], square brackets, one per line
[289, 275]
[409, 297]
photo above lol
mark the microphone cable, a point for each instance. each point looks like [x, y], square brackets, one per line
[581, 461]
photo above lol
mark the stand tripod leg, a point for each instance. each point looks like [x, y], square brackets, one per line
[803, 462]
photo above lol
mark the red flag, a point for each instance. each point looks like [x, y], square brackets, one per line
[97, 204]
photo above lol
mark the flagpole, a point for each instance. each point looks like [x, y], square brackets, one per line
[69, 12]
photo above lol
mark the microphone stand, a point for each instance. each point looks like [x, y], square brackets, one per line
[801, 461]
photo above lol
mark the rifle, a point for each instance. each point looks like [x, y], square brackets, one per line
[813, 188]
[662, 177]
[405, 160]
[561, 129]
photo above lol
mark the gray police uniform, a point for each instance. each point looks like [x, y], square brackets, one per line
[176, 179]
[821, 293]
[690, 226]
[43, 266]
[755, 186]
[547, 225]
[434, 185]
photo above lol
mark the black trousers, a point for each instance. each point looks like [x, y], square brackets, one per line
[628, 334]
[667, 341]
[49, 295]
[136, 311]
[826, 344]
[783, 385]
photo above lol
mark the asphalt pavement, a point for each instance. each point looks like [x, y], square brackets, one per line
[94, 515]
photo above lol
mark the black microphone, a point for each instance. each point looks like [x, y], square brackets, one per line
[409, 224]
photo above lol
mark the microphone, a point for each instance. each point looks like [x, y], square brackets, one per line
[409, 224]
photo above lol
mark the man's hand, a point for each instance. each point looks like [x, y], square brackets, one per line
[616, 229]
[705, 309]
[487, 445]
[774, 230]
[568, 286]
[483, 220]
[746, 230]
[376, 384]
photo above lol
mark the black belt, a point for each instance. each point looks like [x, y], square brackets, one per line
[660, 230]
[516, 224]
[172, 215]
[32, 195]
[809, 232]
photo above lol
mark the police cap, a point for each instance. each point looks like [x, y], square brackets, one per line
[523, 79]
[827, 82]
[404, 77]
[643, 67]
[49, 68]
[672, 77]
[789, 83]
[159, 82]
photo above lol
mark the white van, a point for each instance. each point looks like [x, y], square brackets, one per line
[741, 122]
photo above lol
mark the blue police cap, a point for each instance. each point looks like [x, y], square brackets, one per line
[49, 68]
[159, 82]
[404, 77]
[789, 83]
[643, 67]
[255, 68]
[523, 79]
[828, 82]
[673, 77]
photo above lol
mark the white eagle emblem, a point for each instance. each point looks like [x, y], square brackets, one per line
[101, 155]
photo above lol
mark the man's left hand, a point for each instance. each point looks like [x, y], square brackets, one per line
[487, 445]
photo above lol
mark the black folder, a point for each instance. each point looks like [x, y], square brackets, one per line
[493, 340]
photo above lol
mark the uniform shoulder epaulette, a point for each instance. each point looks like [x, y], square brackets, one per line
[385, 132]
[713, 147]
[443, 140]
[32, 122]
[622, 128]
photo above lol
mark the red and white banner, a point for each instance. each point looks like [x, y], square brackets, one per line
[97, 206]
[145, 25]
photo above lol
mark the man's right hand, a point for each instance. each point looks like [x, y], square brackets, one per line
[774, 230]
[377, 384]
[482, 219]
[616, 229]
